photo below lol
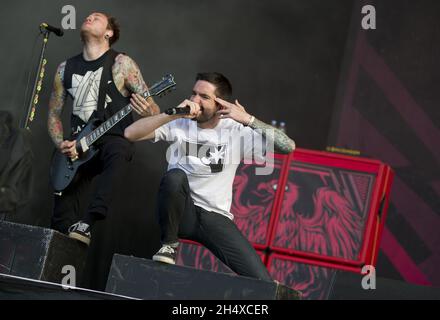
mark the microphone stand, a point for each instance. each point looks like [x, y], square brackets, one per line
[38, 82]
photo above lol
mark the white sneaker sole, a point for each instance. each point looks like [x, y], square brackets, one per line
[79, 237]
[164, 259]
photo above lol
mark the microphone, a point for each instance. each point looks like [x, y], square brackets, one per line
[173, 111]
[50, 28]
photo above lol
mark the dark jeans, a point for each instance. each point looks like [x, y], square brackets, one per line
[110, 165]
[180, 218]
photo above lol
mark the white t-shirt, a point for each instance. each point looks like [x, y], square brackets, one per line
[210, 158]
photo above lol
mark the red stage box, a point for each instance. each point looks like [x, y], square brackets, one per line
[255, 199]
[332, 209]
[313, 281]
[192, 254]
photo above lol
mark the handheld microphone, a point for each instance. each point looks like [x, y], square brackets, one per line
[59, 32]
[173, 111]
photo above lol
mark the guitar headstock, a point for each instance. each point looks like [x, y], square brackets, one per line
[162, 87]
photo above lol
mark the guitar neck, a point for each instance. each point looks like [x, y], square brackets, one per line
[157, 89]
[93, 136]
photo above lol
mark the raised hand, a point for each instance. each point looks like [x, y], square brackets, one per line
[195, 110]
[234, 111]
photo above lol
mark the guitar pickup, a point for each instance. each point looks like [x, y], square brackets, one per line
[83, 144]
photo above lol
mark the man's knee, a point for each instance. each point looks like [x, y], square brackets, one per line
[117, 157]
[174, 180]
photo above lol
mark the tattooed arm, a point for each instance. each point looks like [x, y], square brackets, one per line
[282, 143]
[56, 103]
[132, 79]
[54, 124]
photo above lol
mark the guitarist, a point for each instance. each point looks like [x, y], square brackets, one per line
[100, 81]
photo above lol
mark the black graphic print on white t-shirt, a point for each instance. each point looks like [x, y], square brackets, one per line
[209, 157]
[212, 156]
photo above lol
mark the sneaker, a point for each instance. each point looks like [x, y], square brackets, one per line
[81, 232]
[166, 254]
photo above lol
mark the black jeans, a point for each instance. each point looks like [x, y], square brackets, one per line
[180, 218]
[110, 165]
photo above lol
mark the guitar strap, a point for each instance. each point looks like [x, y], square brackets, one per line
[103, 84]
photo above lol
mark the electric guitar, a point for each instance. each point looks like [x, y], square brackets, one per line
[63, 168]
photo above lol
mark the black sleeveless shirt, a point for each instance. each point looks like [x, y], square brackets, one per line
[82, 80]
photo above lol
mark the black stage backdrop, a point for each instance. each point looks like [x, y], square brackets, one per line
[283, 58]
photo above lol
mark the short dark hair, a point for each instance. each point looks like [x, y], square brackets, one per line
[114, 26]
[224, 88]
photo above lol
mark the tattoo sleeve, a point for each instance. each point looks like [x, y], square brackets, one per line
[134, 80]
[282, 143]
[56, 103]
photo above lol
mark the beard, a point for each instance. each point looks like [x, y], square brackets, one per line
[204, 116]
[84, 34]
[88, 34]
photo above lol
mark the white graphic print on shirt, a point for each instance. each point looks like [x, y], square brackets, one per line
[85, 91]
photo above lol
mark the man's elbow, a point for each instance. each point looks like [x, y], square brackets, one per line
[129, 134]
[292, 146]
[286, 148]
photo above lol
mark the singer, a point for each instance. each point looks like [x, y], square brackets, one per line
[100, 82]
[195, 194]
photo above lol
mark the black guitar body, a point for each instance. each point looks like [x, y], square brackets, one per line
[63, 169]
